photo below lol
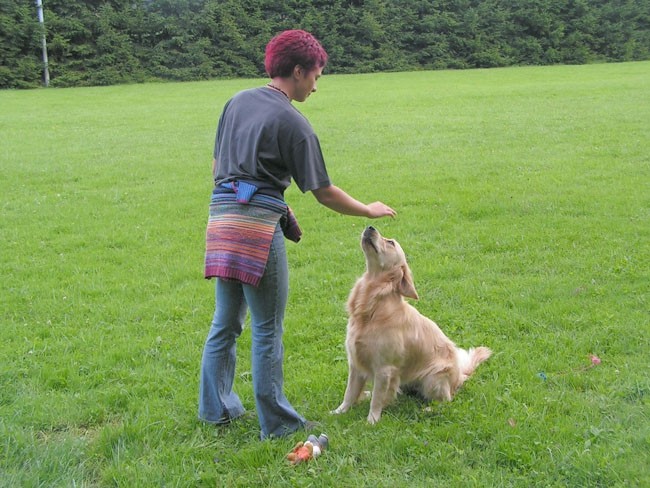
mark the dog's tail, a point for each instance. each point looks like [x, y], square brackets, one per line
[469, 360]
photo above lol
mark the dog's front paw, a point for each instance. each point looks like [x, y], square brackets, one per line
[373, 418]
[341, 409]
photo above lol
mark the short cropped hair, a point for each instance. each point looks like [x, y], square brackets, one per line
[290, 48]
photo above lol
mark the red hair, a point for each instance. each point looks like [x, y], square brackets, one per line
[291, 48]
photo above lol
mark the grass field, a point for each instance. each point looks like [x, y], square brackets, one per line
[523, 197]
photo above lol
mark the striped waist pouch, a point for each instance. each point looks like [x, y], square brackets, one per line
[240, 230]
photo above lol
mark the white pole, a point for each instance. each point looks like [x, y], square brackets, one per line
[46, 69]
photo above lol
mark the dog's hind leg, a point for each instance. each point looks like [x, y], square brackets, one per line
[438, 385]
[353, 390]
[385, 386]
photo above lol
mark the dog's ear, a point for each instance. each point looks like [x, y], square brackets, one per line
[406, 285]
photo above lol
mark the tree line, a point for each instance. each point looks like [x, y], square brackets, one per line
[105, 42]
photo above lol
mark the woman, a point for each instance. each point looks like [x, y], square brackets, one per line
[262, 142]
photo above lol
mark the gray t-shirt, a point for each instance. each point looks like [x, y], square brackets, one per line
[263, 138]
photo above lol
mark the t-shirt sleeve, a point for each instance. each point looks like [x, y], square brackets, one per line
[308, 169]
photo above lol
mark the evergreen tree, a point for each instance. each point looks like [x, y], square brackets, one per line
[100, 42]
[20, 52]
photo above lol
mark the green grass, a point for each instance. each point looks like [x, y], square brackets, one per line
[523, 197]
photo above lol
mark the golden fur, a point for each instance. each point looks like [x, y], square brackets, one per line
[390, 343]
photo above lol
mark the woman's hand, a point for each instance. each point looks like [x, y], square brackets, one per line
[379, 209]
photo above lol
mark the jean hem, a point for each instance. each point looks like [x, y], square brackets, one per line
[223, 420]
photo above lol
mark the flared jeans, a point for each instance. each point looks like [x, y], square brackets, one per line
[218, 403]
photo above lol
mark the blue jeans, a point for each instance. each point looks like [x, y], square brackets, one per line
[267, 302]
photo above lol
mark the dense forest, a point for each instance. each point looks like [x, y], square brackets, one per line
[104, 42]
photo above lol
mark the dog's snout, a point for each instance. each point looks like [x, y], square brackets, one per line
[369, 232]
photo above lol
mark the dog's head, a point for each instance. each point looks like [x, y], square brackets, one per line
[385, 256]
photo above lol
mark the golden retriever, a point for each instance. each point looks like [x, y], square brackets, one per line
[390, 343]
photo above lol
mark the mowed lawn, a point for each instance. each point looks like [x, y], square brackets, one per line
[523, 199]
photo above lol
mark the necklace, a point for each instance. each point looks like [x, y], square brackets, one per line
[271, 85]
